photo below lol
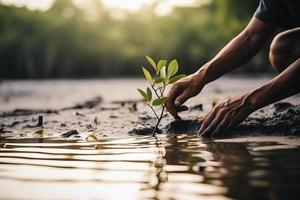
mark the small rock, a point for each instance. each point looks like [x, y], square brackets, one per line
[2, 130]
[40, 121]
[282, 106]
[144, 131]
[79, 114]
[96, 120]
[198, 107]
[70, 133]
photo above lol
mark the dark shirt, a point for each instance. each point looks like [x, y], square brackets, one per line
[281, 13]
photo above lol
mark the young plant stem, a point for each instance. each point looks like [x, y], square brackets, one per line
[158, 121]
[153, 111]
[152, 86]
[161, 91]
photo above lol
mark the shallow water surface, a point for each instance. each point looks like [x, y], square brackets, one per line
[144, 167]
[40, 165]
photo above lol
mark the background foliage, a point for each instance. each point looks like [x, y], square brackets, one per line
[71, 42]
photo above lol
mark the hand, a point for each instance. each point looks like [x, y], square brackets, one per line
[225, 116]
[181, 91]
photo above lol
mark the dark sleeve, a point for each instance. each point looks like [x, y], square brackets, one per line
[264, 11]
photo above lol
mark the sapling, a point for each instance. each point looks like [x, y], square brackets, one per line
[154, 95]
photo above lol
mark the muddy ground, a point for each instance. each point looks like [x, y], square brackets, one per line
[94, 119]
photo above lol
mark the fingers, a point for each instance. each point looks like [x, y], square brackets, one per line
[170, 101]
[207, 120]
[212, 125]
[223, 117]
[185, 95]
[222, 126]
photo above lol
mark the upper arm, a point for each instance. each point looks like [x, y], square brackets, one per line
[258, 31]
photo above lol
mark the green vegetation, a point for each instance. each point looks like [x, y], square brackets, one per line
[71, 42]
[164, 75]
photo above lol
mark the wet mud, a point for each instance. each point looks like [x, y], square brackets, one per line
[283, 119]
[133, 117]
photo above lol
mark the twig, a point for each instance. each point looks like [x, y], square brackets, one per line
[144, 125]
[153, 111]
[152, 86]
[158, 121]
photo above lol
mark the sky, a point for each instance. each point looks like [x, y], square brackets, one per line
[164, 6]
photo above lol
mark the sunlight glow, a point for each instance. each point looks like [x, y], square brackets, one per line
[30, 4]
[163, 7]
[131, 5]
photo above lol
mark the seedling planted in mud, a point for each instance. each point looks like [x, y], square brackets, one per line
[154, 95]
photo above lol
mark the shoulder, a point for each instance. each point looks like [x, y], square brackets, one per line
[267, 9]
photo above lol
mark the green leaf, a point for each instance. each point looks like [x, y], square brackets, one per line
[159, 80]
[144, 94]
[149, 93]
[163, 72]
[158, 102]
[160, 65]
[151, 61]
[91, 138]
[176, 78]
[172, 68]
[147, 74]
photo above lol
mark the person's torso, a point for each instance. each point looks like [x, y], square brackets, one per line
[283, 13]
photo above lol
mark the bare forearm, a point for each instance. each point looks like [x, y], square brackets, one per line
[284, 85]
[237, 52]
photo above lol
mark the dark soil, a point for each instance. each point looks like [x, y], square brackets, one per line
[284, 120]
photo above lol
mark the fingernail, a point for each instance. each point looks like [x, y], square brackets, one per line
[177, 103]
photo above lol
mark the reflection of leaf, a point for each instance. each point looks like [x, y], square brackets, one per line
[149, 94]
[172, 68]
[193, 159]
[151, 61]
[160, 65]
[159, 80]
[144, 94]
[176, 78]
[91, 138]
[158, 102]
[147, 74]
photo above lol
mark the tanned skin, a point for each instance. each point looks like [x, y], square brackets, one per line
[284, 56]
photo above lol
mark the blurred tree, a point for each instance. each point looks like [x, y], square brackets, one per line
[68, 41]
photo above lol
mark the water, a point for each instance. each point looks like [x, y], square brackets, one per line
[165, 167]
[36, 167]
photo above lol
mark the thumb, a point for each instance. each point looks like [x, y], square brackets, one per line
[182, 98]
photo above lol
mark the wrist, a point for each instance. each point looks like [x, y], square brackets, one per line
[200, 77]
[253, 100]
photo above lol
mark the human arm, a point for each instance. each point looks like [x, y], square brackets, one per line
[227, 115]
[236, 53]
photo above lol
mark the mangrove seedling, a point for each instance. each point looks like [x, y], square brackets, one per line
[164, 74]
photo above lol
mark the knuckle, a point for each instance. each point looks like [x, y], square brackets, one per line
[223, 111]
[219, 106]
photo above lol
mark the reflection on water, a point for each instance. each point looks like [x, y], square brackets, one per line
[166, 167]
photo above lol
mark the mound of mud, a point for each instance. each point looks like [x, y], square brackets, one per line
[283, 120]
